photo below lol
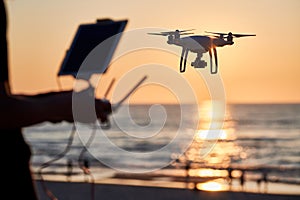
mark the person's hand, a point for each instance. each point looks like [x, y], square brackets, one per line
[83, 112]
[103, 109]
[88, 109]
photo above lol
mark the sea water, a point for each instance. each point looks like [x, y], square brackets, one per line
[253, 137]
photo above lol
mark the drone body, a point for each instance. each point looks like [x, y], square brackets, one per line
[200, 44]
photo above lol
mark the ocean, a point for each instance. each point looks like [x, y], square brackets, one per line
[143, 138]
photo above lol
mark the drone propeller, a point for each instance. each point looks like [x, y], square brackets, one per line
[242, 35]
[186, 33]
[216, 33]
[180, 32]
[177, 31]
[232, 34]
[162, 34]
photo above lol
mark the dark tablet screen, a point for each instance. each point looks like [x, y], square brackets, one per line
[87, 37]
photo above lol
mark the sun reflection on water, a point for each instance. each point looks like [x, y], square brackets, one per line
[214, 141]
[213, 150]
[208, 172]
[213, 186]
[212, 134]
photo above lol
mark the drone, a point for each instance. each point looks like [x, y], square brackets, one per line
[200, 44]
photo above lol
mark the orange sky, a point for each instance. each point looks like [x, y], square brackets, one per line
[257, 69]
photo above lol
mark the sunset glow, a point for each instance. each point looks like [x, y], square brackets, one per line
[38, 40]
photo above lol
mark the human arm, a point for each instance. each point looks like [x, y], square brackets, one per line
[22, 111]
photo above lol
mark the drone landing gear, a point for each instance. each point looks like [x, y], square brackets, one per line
[184, 55]
[198, 63]
[216, 61]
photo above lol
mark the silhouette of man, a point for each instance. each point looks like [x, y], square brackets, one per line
[242, 179]
[69, 169]
[86, 168]
[21, 111]
[258, 182]
[265, 180]
[187, 172]
[229, 170]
